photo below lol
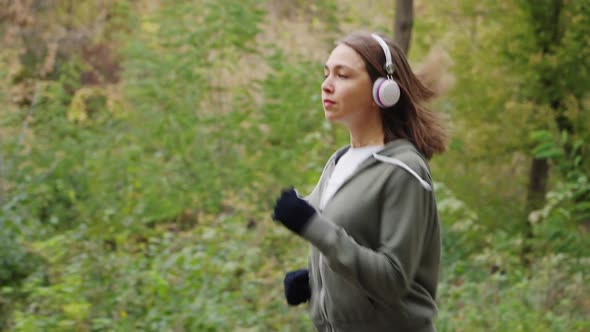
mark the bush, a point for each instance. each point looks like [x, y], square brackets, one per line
[16, 264]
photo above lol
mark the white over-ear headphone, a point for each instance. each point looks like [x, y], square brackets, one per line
[386, 92]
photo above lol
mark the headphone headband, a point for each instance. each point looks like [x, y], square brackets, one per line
[386, 92]
[389, 68]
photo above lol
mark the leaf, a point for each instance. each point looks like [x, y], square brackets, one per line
[76, 311]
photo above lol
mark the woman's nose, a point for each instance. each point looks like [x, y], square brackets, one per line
[327, 86]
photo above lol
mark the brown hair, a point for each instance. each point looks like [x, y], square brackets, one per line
[409, 118]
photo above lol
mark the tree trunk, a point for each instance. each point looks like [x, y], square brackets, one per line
[1, 179]
[402, 25]
[546, 23]
[537, 189]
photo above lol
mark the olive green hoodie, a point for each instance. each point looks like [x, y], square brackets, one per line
[375, 247]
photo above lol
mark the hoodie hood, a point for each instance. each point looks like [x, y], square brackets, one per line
[397, 162]
[392, 153]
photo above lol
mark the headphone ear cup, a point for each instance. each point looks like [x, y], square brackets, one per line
[386, 92]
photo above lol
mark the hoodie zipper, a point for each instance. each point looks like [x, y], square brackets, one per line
[322, 289]
[323, 295]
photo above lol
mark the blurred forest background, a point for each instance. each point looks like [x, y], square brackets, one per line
[143, 144]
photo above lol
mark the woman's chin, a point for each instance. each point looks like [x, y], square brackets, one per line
[331, 116]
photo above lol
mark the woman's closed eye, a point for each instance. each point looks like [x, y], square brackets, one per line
[339, 75]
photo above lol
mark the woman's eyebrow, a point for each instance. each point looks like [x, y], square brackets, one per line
[336, 67]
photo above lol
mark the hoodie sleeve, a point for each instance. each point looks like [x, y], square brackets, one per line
[385, 273]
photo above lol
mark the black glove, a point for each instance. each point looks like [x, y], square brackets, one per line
[292, 211]
[297, 288]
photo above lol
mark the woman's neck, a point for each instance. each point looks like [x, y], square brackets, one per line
[366, 134]
[359, 143]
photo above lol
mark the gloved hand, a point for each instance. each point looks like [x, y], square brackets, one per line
[297, 288]
[292, 211]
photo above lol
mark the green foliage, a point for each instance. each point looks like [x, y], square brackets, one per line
[169, 78]
[144, 205]
[512, 85]
[557, 224]
[484, 288]
[289, 127]
[545, 147]
[17, 262]
[510, 301]
[170, 281]
[561, 36]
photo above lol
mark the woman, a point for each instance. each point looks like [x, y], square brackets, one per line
[371, 220]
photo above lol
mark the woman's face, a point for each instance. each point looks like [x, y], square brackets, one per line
[346, 90]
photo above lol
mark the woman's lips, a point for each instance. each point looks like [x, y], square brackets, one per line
[328, 103]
